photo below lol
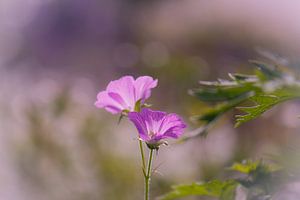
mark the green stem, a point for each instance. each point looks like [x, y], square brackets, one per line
[143, 157]
[137, 108]
[148, 175]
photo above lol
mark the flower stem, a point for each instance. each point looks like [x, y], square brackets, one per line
[148, 175]
[143, 157]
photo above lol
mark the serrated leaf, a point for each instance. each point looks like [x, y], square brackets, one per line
[268, 87]
[220, 109]
[265, 102]
[219, 94]
[268, 71]
[216, 188]
[243, 77]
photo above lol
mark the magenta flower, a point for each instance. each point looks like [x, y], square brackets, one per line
[123, 94]
[153, 126]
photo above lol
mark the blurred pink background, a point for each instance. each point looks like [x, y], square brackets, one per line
[55, 55]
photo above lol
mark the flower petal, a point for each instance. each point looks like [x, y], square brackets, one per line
[153, 119]
[172, 126]
[140, 124]
[116, 97]
[156, 125]
[112, 109]
[124, 87]
[104, 100]
[143, 86]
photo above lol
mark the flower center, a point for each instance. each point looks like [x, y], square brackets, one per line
[151, 134]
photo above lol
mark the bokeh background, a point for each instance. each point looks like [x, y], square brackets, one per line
[55, 55]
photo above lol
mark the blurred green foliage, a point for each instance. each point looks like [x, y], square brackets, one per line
[267, 88]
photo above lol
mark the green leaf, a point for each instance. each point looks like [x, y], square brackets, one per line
[268, 72]
[267, 88]
[255, 168]
[220, 109]
[243, 77]
[260, 175]
[246, 167]
[221, 91]
[228, 192]
[266, 101]
[220, 189]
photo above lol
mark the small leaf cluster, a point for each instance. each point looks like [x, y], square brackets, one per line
[256, 181]
[252, 94]
[215, 188]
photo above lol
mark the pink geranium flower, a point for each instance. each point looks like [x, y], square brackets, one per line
[153, 126]
[122, 95]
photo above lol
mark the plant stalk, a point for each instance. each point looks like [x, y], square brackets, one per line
[143, 157]
[148, 175]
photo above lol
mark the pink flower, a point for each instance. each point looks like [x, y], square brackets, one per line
[123, 94]
[153, 126]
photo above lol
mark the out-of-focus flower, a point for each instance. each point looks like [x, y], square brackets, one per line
[126, 94]
[153, 126]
